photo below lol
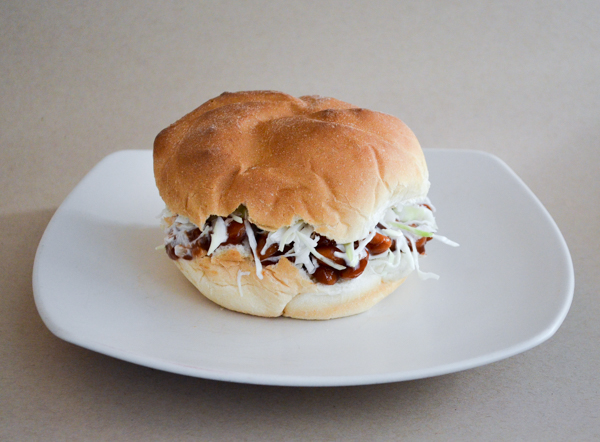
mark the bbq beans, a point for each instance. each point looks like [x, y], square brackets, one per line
[193, 234]
[204, 242]
[328, 252]
[421, 244]
[350, 273]
[326, 275]
[271, 250]
[379, 244]
[171, 252]
[325, 242]
[236, 233]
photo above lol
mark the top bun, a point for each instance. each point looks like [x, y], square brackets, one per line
[320, 160]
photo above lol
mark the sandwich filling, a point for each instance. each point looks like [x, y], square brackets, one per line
[393, 245]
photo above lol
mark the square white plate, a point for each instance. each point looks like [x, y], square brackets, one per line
[99, 283]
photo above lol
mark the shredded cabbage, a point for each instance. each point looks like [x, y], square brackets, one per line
[419, 214]
[288, 235]
[413, 230]
[445, 240]
[219, 235]
[422, 275]
[311, 247]
[352, 257]
[252, 242]
[239, 281]
[362, 244]
[405, 223]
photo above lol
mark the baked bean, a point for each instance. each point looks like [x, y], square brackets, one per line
[271, 250]
[171, 252]
[326, 275]
[205, 242]
[350, 273]
[421, 244]
[328, 252]
[192, 235]
[379, 244]
[326, 242]
[196, 247]
[236, 232]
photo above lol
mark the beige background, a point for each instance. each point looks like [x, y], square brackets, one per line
[79, 80]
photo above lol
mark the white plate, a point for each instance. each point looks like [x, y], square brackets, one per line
[99, 283]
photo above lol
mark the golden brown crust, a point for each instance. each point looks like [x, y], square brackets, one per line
[284, 290]
[318, 159]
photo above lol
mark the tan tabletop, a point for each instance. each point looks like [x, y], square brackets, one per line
[80, 80]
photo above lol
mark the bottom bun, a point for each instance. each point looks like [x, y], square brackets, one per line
[283, 291]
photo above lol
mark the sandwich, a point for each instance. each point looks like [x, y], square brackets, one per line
[308, 207]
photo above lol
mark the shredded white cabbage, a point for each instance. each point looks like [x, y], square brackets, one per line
[288, 235]
[352, 257]
[252, 242]
[413, 230]
[219, 234]
[445, 240]
[405, 223]
[362, 244]
[420, 273]
[176, 233]
[310, 244]
[239, 281]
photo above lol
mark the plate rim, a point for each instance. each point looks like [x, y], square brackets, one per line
[305, 380]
